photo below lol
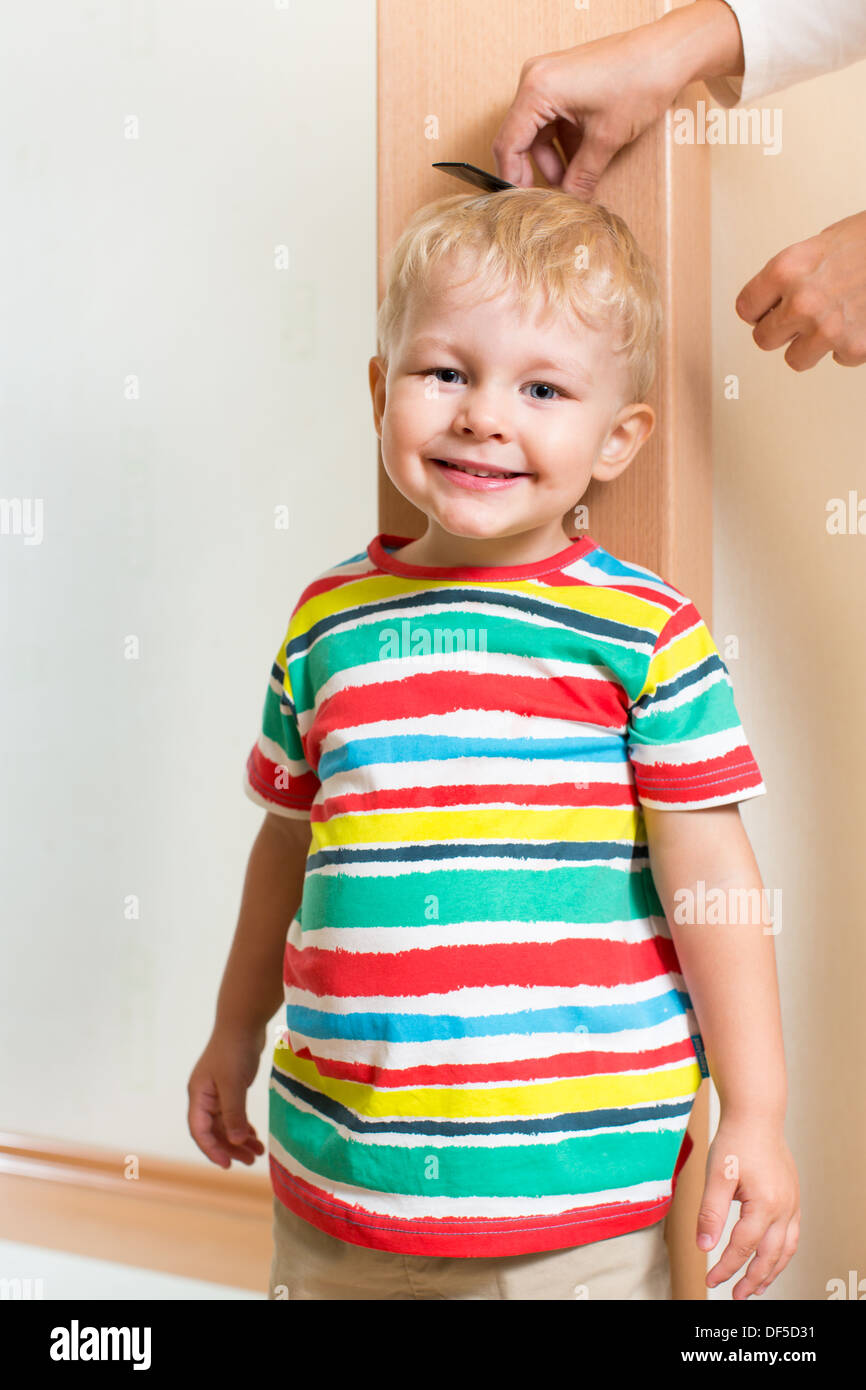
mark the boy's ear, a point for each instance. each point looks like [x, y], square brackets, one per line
[633, 426]
[377, 373]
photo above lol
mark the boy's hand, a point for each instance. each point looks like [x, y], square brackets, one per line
[217, 1092]
[749, 1162]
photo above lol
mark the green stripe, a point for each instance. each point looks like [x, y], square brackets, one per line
[418, 897]
[594, 1163]
[707, 713]
[365, 644]
[280, 727]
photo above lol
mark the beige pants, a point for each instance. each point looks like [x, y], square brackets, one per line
[308, 1263]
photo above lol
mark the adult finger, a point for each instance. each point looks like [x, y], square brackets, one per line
[588, 164]
[528, 115]
[808, 348]
[547, 156]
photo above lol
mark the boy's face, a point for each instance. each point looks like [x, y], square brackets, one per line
[473, 382]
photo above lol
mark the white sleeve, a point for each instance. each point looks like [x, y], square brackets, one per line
[788, 41]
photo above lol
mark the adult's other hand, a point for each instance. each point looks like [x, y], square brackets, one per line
[815, 292]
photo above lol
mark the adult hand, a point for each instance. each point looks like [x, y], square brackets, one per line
[601, 95]
[815, 292]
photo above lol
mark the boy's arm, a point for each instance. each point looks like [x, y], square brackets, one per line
[252, 984]
[250, 993]
[730, 968]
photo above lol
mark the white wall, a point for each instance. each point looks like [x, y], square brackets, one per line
[795, 598]
[155, 257]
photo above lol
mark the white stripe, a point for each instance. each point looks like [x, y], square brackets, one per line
[469, 771]
[478, 1002]
[706, 799]
[411, 868]
[689, 750]
[390, 940]
[487, 722]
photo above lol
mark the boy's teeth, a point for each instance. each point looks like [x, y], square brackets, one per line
[479, 472]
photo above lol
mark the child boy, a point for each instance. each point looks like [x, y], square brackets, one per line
[500, 766]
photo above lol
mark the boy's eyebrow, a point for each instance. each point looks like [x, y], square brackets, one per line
[565, 364]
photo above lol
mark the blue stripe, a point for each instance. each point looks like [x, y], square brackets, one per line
[566, 1018]
[574, 851]
[682, 682]
[608, 564]
[417, 748]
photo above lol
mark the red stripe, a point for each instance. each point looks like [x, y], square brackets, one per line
[262, 774]
[563, 1064]
[463, 1235]
[731, 772]
[600, 702]
[669, 601]
[414, 974]
[686, 618]
[620, 795]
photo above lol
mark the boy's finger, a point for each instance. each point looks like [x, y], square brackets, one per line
[239, 1136]
[233, 1108]
[767, 1256]
[743, 1243]
[715, 1205]
[201, 1126]
[792, 1240]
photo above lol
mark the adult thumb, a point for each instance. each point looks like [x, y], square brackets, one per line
[586, 167]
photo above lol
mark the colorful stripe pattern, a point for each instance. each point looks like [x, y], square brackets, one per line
[490, 1049]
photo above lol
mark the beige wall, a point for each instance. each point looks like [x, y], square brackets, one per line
[795, 598]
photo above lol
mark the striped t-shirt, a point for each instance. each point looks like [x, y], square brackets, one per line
[489, 1045]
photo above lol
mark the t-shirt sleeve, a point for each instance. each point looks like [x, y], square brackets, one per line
[277, 775]
[686, 744]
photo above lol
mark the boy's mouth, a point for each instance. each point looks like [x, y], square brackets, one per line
[480, 474]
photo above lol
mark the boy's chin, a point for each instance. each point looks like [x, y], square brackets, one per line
[480, 528]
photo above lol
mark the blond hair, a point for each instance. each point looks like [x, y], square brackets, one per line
[527, 239]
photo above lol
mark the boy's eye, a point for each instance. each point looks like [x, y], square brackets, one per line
[434, 371]
[545, 387]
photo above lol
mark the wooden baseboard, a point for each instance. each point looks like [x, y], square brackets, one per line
[204, 1223]
[179, 1218]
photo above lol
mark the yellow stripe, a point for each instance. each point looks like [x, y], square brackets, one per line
[484, 823]
[681, 655]
[597, 601]
[489, 1102]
